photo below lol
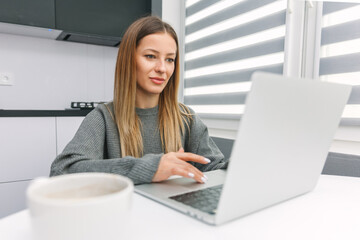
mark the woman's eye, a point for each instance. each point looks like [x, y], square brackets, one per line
[170, 60]
[150, 56]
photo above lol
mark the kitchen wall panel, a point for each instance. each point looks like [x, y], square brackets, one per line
[66, 127]
[49, 74]
[13, 197]
[27, 147]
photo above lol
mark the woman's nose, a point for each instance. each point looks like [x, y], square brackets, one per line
[160, 66]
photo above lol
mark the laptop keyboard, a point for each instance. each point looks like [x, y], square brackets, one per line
[205, 200]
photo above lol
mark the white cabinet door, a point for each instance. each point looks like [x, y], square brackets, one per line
[13, 197]
[66, 128]
[27, 147]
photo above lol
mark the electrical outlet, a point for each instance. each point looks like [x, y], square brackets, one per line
[6, 79]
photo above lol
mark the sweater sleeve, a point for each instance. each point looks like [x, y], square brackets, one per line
[89, 151]
[202, 144]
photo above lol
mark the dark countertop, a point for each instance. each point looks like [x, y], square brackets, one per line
[45, 113]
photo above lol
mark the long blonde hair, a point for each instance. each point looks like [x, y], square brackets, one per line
[172, 115]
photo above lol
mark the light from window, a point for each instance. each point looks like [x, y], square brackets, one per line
[219, 88]
[248, 40]
[211, 10]
[247, 17]
[189, 3]
[351, 111]
[249, 63]
[340, 48]
[351, 78]
[219, 109]
[343, 16]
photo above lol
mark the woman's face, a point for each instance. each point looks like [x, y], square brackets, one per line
[155, 63]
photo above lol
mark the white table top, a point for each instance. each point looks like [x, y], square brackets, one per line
[331, 211]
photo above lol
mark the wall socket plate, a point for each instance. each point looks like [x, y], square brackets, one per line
[6, 79]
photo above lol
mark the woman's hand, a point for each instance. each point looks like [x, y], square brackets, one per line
[175, 163]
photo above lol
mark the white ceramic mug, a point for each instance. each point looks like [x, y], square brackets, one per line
[81, 206]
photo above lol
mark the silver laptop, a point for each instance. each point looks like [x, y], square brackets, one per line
[279, 152]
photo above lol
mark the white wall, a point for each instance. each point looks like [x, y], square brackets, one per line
[172, 13]
[49, 74]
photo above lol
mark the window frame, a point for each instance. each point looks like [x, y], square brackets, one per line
[302, 59]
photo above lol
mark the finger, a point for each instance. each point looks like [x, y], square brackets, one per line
[181, 150]
[189, 174]
[197, 175]
[190, 168]
[192, 157]
[193, 172]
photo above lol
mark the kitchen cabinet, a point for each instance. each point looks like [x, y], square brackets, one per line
[13, 197]
[106, 17]
[97, 22]
[28, 147]
[38, 13]
[86, 21]
[66, 128]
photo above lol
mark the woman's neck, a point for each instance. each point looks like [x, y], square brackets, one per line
[146, 101]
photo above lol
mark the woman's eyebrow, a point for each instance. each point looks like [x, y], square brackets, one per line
[153, 50]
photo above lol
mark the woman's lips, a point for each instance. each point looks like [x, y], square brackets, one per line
[157, 80]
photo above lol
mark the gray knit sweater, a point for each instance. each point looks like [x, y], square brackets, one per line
[96, 147]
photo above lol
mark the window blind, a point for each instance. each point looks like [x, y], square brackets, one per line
[340, 50]
[225, 42]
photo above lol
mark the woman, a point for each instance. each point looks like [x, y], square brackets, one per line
[144, 134]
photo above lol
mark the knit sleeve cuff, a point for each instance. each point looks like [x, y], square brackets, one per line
[145, 168]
